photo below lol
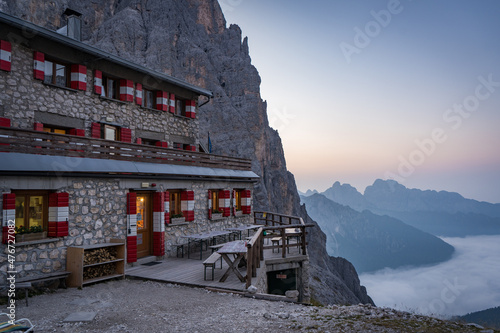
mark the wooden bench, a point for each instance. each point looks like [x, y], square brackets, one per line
[181, 248]
[211, 262]
[25, 286]
[216, 247]
[61, 276]
[276, 241]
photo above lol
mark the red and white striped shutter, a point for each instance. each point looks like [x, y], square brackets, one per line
[246, 201]
[191, 109]
[38, 65]
[138, 94]
[126, 90]
[166, 204]
[8, 214]
[209, 204]
[58, 214]
[5, 55]
[131, 227]
[163, 144]
[95, 131]
[125, 134]
[78, 77]
[162, 100]
[224, 202]
[159, 224]
[187, 205]
[172, 103]
[98, 82]
[138, 141]
[4, 122]
[233, 202]
[38, 127]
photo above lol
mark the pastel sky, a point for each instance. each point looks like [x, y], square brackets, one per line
[360, 90]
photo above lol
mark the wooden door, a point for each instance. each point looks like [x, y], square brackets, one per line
[144, 224]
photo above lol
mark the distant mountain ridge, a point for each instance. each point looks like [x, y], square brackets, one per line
[440, 213]
[488, 317]
[372, 242]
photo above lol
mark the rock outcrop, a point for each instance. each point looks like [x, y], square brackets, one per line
[189, 40]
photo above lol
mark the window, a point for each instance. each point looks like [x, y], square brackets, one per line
[148, 99]
[54, 129]
[110, 87]
[149, 142]
[56, 73]
[178, 145]
[215, 201]
[32, 209]
[180, 107]
[237, 199]
[110, 132]
[175, 203]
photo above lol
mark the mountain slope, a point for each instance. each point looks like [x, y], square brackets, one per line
[439, 213]
[488, 318]
[373, 242]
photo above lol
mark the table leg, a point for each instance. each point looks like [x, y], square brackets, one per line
[233, 266]
[201, 249]
[189, 246]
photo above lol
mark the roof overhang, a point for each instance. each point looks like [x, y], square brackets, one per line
[17, 164]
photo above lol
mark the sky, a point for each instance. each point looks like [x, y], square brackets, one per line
[469, 282]
[359, 90]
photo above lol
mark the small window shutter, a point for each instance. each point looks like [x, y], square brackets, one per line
[78, 77]
[246, 201]
[191, 109]
[138, 94]
[5, 55]
[224, 202]
[95, 131]
[209, 204]
[126, 90]
[163, 144]
[172, 103]
[159, 224]
[98, 82]
[138, 141]
[131, 227]
[77, 132]
[4, 122]
[233, 202]
[125, 134]
[187, 205]
[8, 214]
[38, 65]
[38, 127]
[167, 207]
[58, 214]
[162, 100]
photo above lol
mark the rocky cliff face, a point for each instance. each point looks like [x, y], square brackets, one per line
[189, 39]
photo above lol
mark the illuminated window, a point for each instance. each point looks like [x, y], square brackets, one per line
[32, 209]
[215, 201]
[237, 199]
[175, 203]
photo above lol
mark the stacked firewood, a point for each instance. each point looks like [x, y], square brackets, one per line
[98, 271]
[96, 256]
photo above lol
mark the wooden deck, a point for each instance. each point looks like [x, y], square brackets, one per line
[189, 272]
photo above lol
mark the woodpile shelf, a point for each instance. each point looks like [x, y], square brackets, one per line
[94, 263]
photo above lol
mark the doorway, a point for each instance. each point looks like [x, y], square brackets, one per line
[281, 281]
[144, 224]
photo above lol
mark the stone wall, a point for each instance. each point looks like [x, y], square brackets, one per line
[97, 213]
[26, 100]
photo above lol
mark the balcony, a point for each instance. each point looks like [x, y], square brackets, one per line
[43, 143]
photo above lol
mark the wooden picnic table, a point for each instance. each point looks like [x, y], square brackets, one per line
[242, 228]
[202, 237]
[237, 248]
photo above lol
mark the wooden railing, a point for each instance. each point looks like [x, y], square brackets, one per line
[273, 225]
[43, 143]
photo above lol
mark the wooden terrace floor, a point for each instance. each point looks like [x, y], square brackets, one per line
[189, 272]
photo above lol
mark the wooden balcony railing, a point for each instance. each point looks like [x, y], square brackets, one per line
[273, 225]
[43, 143]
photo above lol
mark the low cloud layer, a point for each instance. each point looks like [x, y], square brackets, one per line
[469, 282]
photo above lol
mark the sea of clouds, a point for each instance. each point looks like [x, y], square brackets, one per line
[468, 282]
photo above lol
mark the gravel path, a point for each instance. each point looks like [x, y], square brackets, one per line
[145, 306]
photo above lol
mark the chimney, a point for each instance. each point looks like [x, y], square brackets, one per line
[74, 27]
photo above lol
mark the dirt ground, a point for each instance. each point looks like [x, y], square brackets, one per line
[145, 306]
